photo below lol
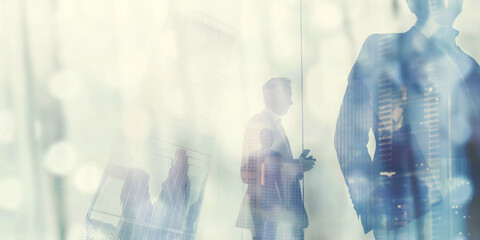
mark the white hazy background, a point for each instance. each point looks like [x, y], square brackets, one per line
[71, 70]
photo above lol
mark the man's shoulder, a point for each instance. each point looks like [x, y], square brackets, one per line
[468, 66]
[260, 118]
[473, 64]
[383, 38]
[259, 121]
[380, 45]
[473, 69]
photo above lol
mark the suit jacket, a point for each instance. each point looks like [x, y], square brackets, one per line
[289, 205]
[418, 96]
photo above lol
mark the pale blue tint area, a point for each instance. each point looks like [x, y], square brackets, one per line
[126, 119]
[419, 94]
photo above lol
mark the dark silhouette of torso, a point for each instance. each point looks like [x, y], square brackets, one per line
[418, 96]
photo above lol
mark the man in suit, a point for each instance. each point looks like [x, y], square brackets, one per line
[273, 206]
[417, 92]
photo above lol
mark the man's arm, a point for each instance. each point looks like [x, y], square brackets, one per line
[306, 163]
[351, 137]
[472, 146]
[251, 143]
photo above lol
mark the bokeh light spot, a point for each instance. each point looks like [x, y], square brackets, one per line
[87, 177]
[7, 126]
[12, 193]
[61, 158]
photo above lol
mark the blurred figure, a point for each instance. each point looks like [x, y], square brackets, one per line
[263, 173]
[136, 205]
[273, 206]
[418, 93]
[191, 221]
[171, 207]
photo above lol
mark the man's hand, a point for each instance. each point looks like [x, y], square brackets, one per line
[306, 162]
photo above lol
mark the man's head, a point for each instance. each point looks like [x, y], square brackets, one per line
[277, 95]
[444, 12]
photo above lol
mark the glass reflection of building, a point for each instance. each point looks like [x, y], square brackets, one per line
[397, 106]
[154, 185]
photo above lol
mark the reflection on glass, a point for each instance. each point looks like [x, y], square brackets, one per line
[273, 206]
[173, 215]
[418, 92]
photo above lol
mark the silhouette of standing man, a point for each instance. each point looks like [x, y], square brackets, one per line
[272, 207]
[418, 93]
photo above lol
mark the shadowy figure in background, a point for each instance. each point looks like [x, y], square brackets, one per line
[273, 206]
[167, 219]
[418, 93]
[136, 205]
[191, 221]
[171, 207]
[263, 174]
